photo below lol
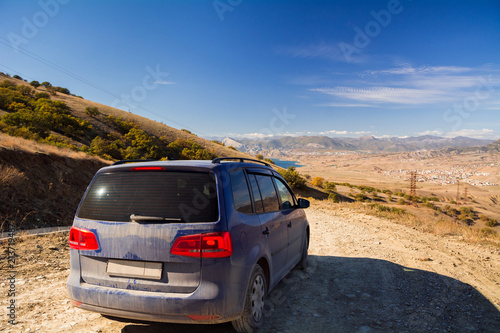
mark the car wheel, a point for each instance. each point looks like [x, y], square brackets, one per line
[253, 312]
[303, 261]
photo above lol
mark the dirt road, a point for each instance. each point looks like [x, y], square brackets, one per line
[366, 274]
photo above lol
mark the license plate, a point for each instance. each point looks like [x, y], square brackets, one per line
[134, 269]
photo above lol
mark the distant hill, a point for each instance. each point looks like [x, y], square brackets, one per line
[364, 143]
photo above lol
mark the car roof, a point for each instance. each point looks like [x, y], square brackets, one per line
[204, 164]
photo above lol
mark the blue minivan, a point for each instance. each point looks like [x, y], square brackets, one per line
[185, 241]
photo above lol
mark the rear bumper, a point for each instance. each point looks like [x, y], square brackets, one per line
[208, 300]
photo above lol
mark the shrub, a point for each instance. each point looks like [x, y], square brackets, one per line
[491, 223]
[17, 77]
[25, 90]
[35, 84]
[259, 157]
[39, 95]
[488, 232]
[8, 84]
[318, 181]
[329, 186]
[268, 160]
[293, 178]
[333, 197]
[361, 197]
[46, 84]
[92, 111]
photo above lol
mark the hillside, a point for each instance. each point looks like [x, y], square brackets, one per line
[46, 115]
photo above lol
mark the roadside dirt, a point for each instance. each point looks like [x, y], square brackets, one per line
[366, 274]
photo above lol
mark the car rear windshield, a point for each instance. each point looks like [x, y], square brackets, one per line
[151, 196]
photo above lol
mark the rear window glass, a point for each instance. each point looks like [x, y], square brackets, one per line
[241, 196]
[268, 193]
[163, 196]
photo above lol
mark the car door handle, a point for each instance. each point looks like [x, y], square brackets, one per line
[266, 232]
[289, 224]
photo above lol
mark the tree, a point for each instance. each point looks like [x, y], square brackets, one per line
[63, 90]
[17, 77]
[259, 157]
[35, 84]
[46, 84]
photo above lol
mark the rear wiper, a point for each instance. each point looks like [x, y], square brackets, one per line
[144, 218]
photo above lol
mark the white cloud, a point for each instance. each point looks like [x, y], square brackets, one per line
[385, 94]
[407, 85]
[473, 133]
[330, 133]
[435, 132]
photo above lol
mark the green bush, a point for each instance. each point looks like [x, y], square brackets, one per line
[329, 186]
[92, 111]
[491, 223]
[293, 178]
[333, 197]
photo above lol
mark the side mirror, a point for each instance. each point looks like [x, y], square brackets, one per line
[303, 203]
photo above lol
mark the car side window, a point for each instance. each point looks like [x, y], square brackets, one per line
[287, 199]
[268, 193]
[259, 206]
[241, 195]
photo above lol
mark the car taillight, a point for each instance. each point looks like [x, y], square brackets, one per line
[148, 169]
[212, 245]
[82, 239]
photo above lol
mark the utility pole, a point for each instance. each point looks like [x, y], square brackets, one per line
[458, 192]
[413, 186]
[465, 194]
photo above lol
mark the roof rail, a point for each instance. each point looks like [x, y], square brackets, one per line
[132, 161]
[241, 159]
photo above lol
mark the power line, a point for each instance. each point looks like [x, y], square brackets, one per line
[93, 85]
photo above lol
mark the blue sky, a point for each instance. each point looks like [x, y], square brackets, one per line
[245, 68]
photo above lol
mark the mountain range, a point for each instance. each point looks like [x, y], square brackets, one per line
[367, 143]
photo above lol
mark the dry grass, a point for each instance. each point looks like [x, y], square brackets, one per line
[423, 223]
[10, 176]
[31, 146]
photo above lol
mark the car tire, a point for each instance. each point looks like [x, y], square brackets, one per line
[253, 312]
[303, 261]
